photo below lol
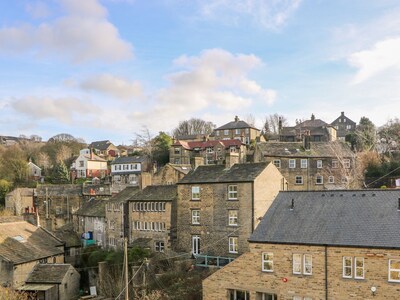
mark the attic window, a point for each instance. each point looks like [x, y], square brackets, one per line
[19, 239]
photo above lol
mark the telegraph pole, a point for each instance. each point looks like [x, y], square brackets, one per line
[126, 268]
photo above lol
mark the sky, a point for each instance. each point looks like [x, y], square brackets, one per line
[109, 69]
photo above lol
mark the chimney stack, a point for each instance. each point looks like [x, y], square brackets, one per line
[197, 161]
[236, 119]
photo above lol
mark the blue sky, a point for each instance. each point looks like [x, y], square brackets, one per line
[104, 69]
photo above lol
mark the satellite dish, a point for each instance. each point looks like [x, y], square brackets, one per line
[373, 289]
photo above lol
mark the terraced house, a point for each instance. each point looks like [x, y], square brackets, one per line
[309, 166]
[319, 245]
[219, 206]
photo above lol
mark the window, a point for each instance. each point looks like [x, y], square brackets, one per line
[237, 131]
[177, 150]
[348, 127]
[239, 295]
[159, 246]
[226, 132]
[358, 267]
[345, 179]
[81, 163]
[331, 179]
[319, 179]
[301, 298]
[394, 270]
[299, 180]
[233, 217]
[266, 296]
[195, 216]
[195, 193]
[319, 164]
[209, 150]
[302, 264]
[268, 262]
[304, 163]
[277, 163]
[233, 244]
[232, 192]
[346, 163]
[292, 163]
[335, 164]
[196, 244]
[217, 132]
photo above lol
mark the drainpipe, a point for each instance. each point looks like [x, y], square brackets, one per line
[252, 207]
[326, 272]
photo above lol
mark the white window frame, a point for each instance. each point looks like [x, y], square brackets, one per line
[226, 132]
[196, 244]
[301, 262]
[335, 164]
[265, 261]
[233, 244]
[304, 163]
[331, 179]
[195, 216]
[159, 246]
[237, 131]
[319, 164]
[232, 192]
[357, 259]
[233, 294]
[233, 217]
[277, 163]
[195, 193]
[390, 270]
[307, 262]
[292, 163]
[346, 163]
[347, 266]
[296, 264]
[319, 179]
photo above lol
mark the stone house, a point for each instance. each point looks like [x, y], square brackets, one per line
[211, 151]
[130, 171]
[22, 247]
[219, 206]
[53, 282]
[312, 165]
[343, 126]
[20, 201]
[237, 129]
[316, 129]
[88, 165]
[90, 222]
[72, 243]
[105, 149]
[152, 217]
[170, 174]
[319, 245]
[117, 217]
[34, 171]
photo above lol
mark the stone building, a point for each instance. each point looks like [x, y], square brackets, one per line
[22, 247]
[344, 126]
[210, 151]
[170, 174]
[117, 216]
[237, 129]
[309, 166]
[219, 206]
[21, 201]
[152, 214]
[319, 245]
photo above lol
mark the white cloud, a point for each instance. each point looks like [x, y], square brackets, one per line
[75, 35]
[37, 9]
[64, 110]
[270, 14]
[382, 57]
[113, 85]
[215, 80]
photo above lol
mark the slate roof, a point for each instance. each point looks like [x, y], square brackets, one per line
[312, 123]
[128, 159]
[237, 124]
[367, 218]
[48, 273]
[205, 144]
[93, 208]
[125, 194]
[296, 149]
[100, 145]
[156, 193]
[92, 157]
[22, 242]
[219, 173]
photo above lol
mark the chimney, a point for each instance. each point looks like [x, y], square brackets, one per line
[292, 205]
[236, 119]
[280, 124]
[231, 159]
[197, 161]
[342, 114]
[91, 153]
[312, 117]
[306, 140]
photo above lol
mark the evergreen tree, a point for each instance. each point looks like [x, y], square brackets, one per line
[60, 173]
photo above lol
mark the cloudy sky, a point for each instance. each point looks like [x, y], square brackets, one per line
[103, 69]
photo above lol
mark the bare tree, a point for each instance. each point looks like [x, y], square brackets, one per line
[144, 139]
[251, 120]
[63, 153]
[193, 126]
[271, 123]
